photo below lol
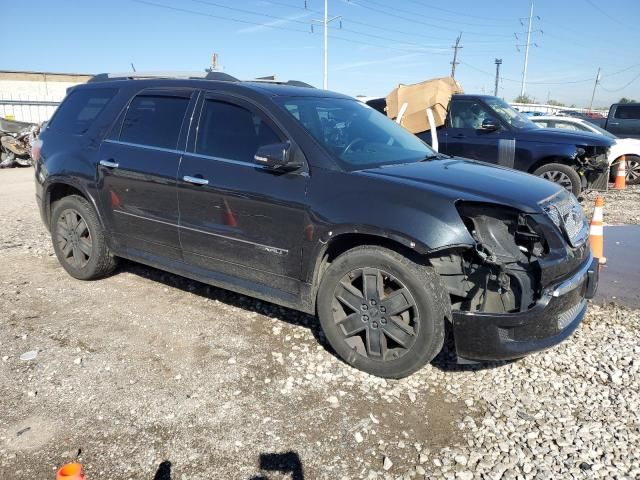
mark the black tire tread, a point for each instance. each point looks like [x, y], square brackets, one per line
[576, 181]
[426, 276]
[102, 262]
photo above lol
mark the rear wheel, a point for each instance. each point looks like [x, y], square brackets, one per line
[563, 175]
[381, 312]
[79, 240]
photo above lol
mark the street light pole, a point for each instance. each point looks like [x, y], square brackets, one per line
[325, 24]
[526, 52]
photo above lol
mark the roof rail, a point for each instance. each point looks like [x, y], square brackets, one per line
[105, 77]
[293, 83]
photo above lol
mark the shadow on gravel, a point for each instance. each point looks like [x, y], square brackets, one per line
[234, 299]
[164, 471]
[284, 463]
[447, 360]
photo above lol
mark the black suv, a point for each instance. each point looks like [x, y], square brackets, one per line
[315, 201]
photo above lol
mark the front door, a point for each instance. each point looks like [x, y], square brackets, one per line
[238, 219]
[137, 173]
[464, 137]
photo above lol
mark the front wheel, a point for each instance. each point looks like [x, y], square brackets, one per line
[381, 312]
[563, 175]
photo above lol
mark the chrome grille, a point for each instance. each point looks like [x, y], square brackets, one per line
[566, 213]
[568, 316]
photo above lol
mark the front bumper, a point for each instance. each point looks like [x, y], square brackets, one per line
[503, 336]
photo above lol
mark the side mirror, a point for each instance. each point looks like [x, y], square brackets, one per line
[490, 125]
[277, 157]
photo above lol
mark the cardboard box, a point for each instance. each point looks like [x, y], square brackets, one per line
[434, 94]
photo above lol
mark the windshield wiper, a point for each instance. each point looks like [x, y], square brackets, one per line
[435, 156]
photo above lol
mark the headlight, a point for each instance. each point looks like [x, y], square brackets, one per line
[566, 213]
[502, 233]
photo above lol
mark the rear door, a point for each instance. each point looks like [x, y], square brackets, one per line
[237, 218]
[138, 168]
[625, 121]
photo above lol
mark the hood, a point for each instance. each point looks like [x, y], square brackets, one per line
[462, 179]
[558, 135]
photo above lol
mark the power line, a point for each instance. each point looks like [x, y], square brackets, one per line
[431, 17]
[290, 29]
[303, 22]
[606, 14]
[419, 22]
[634, 79]
[458, 13]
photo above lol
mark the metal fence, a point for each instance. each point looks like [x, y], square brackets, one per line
[25, 108]
[552, 109]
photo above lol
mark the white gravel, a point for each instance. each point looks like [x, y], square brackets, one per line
[145, 367]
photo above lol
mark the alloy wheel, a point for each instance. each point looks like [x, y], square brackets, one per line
[560, 178]
[633, 170]
[74, 238]
[376, 313]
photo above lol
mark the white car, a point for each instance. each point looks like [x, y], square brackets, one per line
[629, 147]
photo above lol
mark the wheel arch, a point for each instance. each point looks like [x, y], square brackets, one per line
[339, 243]
[57, 189]
[565, 160]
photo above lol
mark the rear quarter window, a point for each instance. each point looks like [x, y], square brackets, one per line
[628, 112]
[78, 111]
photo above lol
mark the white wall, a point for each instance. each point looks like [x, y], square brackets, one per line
[33, 100]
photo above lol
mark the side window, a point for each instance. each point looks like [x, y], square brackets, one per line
[154, 120]
[628, 112]
[467, 114]
[541, 123]
[232, 132]
[567, 126]
[78, 111]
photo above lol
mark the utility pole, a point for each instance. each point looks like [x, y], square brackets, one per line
[594, 89]
[325, 23]
[526, 52]
[455, 61]
[498, 63]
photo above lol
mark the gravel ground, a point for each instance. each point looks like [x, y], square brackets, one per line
[621, 207]
[146, 375]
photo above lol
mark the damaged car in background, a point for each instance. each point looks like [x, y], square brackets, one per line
[315, 201]
[486, 128]
[16, 141]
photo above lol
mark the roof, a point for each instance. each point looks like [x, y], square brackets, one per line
[262, 88]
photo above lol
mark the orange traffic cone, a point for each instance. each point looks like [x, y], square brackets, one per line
[621, 174]
[71, 471]
[596, 232]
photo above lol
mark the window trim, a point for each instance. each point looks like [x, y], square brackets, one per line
[51, 122]
[189, 93]
[240, 102]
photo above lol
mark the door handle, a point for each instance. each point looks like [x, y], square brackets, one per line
[614, 123]
[459, 135]
[108, 164]
[195, 180]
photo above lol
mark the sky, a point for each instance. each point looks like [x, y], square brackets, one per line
[374, 45]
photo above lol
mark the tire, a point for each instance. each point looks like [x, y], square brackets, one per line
[563, 175]
[632, 167]
[79, 239]
[360, 327]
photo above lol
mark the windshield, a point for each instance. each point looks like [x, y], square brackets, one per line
[602, 131]
[354, 133]
[509, 114]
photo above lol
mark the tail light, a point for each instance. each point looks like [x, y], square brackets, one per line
[36, 149]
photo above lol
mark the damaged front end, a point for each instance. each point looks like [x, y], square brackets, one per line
[593, 166]
[505, 289]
